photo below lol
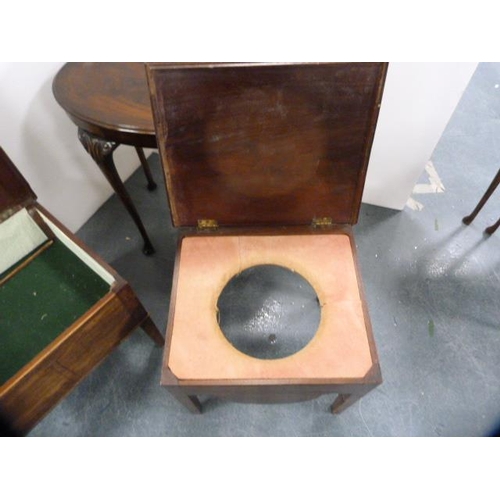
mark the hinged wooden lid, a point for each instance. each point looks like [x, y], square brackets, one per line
[15, 192]
[265, 144]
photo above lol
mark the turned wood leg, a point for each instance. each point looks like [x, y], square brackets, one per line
[152, 331]
[101, 151]
[145, 167]
[343, 401]
[493, 228]
[494, 184]
[192, 403]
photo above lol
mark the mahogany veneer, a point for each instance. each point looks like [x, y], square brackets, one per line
[109, 103]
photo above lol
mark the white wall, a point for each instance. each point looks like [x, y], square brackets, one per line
[41, 140]
[418, 101]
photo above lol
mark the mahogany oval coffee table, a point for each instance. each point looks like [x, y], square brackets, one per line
[110, 104]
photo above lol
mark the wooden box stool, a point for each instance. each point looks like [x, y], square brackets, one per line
[62, 309]
[265, 165]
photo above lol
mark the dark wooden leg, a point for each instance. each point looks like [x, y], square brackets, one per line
[101, 151]
[494, 184]
[493, 228]
[147, 171]
[192, 403]
[150, 328]
[343, 401]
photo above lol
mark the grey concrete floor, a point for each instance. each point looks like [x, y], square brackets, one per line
[433, 290]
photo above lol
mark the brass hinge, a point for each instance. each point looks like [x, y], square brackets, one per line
[207, 224]
[322, 222]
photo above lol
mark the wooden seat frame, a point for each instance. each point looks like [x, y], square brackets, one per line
[198, 358]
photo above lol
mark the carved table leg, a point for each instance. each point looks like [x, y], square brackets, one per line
[494, 184]
[147, 171]
[101, 151]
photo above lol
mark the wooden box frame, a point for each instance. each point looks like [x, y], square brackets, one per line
[183, 143]
[35, 389]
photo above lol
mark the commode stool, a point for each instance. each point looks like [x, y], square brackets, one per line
[265, 165]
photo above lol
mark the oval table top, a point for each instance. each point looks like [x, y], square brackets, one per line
[110, 100]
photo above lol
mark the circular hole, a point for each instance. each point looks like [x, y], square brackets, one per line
[268, 312]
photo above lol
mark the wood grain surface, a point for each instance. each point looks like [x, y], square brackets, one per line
[265, 144]
[110, 100]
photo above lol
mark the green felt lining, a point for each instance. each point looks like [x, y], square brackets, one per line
[41, 301]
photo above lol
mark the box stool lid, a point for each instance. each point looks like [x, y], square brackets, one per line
[258, 144]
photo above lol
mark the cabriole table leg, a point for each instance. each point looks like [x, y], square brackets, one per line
[101, 151]
[147, 171]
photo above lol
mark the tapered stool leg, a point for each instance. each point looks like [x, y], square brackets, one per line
[152, 331]
[192, 403]
[343, 401]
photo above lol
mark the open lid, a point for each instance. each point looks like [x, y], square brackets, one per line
[265, 144]
[15, 192]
